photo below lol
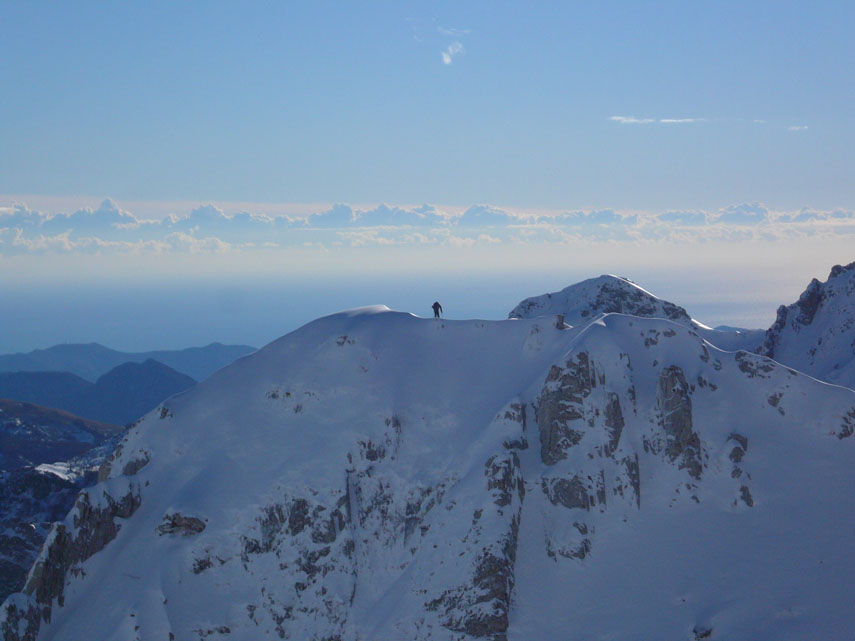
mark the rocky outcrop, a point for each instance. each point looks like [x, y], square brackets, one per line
[480, 606]
[31, 500]
[46, 457]
[754, 366]
[674, 406]
[312, 544]
[569, 493]
[560, 408]
[614, 422]
[176, 523]
[847, 426]
[816, 334]
[87, 530]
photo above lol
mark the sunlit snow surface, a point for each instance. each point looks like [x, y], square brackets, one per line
[394, 420]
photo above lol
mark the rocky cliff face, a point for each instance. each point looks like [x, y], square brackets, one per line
[31, 500]
[816, 334]
[46, 457]
[524, 481]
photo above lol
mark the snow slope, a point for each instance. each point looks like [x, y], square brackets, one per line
[583, 302]
[374, 476]
[816, 334]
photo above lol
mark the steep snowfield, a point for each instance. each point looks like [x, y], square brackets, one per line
[377, 476]
[816, 334]
[583, 302]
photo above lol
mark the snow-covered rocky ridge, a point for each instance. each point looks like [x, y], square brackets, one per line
[607, 294]
[816, 334]
[379, 476]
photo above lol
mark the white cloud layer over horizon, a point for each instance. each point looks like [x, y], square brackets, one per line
[109, 229]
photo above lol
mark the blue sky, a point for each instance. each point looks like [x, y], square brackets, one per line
[326, 102]
[705, 149]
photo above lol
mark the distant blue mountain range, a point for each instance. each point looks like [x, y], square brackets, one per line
[120, 396]
[90, 361]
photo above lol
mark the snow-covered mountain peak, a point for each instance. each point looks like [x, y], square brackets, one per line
[586, 301]
[375, 475]
[582, 302]
[816, 334]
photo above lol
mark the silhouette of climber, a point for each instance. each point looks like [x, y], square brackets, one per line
[437, 308]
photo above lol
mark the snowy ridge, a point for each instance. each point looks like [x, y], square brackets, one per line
[585, 301]
[816, 334]
[375, 475]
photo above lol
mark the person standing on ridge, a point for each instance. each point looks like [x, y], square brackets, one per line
[437, 308]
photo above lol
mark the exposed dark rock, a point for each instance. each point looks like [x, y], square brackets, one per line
[503, 474]
[578, 551]
[701, 632]
[754, 366]
[200, 565]
[30, 501]
[742, 440]
[614, 422]
[480, 606]
[135, 465]
[176, 523]
[675, 411]
[561, 404]
[492, 584]
[801, 313]
[847, 427]
[94, 526]
[570, 493]
[21, 616]
[809, 303]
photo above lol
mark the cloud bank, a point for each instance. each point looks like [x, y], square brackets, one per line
[207, 229]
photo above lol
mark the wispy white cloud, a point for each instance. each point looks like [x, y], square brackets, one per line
[671, 121]
[631, 120]
[451, 31]
[452, 50]
[797, 128]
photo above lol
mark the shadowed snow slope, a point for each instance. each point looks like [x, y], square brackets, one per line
[607, 294]
[816, 334]
[378, 476]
